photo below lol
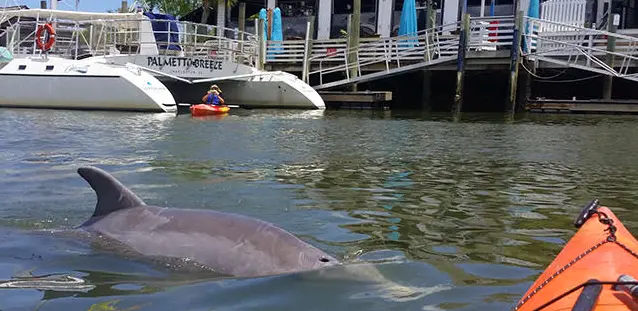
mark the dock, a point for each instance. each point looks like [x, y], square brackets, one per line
[583, 106]
[500, 50]
[357, 100]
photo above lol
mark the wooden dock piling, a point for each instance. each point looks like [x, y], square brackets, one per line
[354, 25]
[308, 49]
[611, 46]
[430, 21]
[514, 61]
[262, 43]
[241, 20]
[460, 62]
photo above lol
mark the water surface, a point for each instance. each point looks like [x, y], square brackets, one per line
[468, 211]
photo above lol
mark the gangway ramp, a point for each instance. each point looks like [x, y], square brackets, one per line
[578, 47]
[387, 57]
[396, 55]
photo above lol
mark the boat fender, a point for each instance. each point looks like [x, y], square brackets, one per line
[45, 46]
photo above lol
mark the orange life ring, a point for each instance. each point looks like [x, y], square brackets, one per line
[45, 46]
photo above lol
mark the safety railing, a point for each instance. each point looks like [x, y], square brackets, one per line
[579, 47]
[389, 53]
[76, 39]
[488, 33]
[491, 33]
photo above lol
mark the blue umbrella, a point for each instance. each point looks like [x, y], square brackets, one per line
[277, 31]
[407, 24]
[5, 55]
[532, 11]
[264, 15]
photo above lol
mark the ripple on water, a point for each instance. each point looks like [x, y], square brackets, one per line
[476, 207]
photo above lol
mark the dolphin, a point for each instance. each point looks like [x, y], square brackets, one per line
[228, 244]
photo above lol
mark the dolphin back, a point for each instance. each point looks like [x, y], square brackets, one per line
[112, 195]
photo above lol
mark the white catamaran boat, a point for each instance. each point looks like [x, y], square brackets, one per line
[133, 61]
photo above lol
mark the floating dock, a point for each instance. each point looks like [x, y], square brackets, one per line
[357, 100]
[583, 106]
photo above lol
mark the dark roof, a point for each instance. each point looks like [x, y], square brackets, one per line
[195, 16]
[12, 20]
[14, 7]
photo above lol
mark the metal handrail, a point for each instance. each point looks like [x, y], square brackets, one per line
[105, 34]
[393, 51]
[552, 46]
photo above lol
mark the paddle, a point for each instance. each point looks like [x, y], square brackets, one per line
[186, 105]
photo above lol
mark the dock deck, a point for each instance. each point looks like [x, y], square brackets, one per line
[357, 100]
[327, 64]
[583, 106]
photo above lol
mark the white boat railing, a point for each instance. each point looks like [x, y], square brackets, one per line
[81, 38]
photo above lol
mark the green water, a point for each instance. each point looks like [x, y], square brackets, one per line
[468, 211]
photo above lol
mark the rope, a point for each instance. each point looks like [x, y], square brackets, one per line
[542, 78]
[539, 78]
[561, 296]
[574, 80]
[611, 238]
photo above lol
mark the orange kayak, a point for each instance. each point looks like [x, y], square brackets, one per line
[208, 110]
[596, 270]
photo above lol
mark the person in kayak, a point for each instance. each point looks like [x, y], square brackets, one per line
[213, 97]
[216, 88]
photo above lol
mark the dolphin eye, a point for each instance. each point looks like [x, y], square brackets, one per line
[324, 259]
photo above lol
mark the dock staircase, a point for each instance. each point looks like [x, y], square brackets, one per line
[392, 56]
[573, 46]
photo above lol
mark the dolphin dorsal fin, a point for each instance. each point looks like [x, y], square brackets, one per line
[112, 195]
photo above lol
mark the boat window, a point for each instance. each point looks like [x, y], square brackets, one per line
[22, 67]
[49, 67]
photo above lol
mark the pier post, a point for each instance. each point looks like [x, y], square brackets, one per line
[353, 34]
[325, 18]
[221, 18]
[351, 56]
[426, 95]
[460, 62]
[429, 24]
[611, 46]
[307, 53]
[385, 8]
[514, 61]
[241, 21]
[262, 44]
[431, 15]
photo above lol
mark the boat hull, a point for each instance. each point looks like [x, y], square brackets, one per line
[581, 260]
[95, 87]
[241, 84]
[248, 94]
